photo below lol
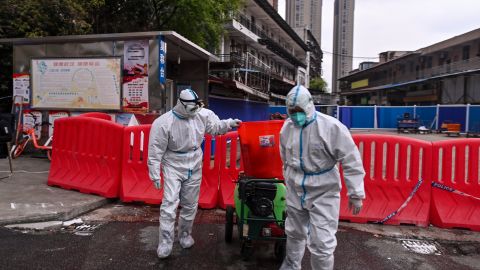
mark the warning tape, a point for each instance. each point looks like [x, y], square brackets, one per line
[450, 189]
[415, 189]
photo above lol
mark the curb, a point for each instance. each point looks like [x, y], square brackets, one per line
[62, 216]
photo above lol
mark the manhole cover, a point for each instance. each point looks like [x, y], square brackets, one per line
[421, 246]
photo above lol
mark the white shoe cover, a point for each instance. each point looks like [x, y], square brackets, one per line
[164, 249]
[186, 240]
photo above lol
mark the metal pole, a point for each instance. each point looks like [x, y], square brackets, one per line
[467, 126]
[246, 69]
[338, 112]
[414, 111]
[437, 116]
[375, 124]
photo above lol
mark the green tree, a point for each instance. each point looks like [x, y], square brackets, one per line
[318, 84]
[35, 18]
[201, 21]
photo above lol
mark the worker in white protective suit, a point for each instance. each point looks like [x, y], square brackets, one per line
[175, 144]
[311, 145]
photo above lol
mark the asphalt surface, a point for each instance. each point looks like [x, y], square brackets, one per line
[132, 245]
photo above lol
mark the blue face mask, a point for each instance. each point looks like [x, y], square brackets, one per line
[299, 118]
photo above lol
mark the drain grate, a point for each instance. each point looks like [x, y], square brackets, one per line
[421, 246]
[85, 229]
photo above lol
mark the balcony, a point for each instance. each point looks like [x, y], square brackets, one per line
[248, 61]
[445, 69]
[246, 71]
[256, 34]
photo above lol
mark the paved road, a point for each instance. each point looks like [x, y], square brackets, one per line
[132, 245]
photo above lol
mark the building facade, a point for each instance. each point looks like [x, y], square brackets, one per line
[315, 54]
[305, 14]
[261, 57]
[447, 72]
[342, 40]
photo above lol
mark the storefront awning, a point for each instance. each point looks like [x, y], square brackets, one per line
[390, 86]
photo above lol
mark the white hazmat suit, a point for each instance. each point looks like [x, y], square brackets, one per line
[175, 144]
[310, 152]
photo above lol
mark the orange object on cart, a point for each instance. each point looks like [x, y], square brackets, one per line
[260, 146]
[453, 127]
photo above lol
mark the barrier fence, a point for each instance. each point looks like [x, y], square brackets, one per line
[407, 181]
[87, 156]
[386, 117]
[394, 166]
[456, 167]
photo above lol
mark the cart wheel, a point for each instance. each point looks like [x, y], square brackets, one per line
[280, 250]
[229, 224]
[247, 250]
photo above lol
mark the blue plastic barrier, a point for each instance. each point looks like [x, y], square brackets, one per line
[474, 119]
[279, 109]
[388, 116]
[241, 109]
[426, 116]
[346, 116]
[362, 117]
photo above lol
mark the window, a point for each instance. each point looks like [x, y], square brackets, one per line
[429, 62]
[466, 53]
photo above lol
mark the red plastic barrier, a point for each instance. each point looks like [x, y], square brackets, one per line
[391, 175]
[98, 115]
[87, 156]
[136, 183]
[210, 172]
[260, 143]
[450, 210]
[146, 119]
[229, 168]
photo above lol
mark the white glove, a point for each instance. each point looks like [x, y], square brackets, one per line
[234, 123]
[355, 204]
[157, 184]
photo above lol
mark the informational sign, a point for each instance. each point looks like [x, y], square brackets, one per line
[267, 140]
[21, 87]
[162, 56]
[52, 116]
[76, 83]
[30, 119]
[135, 76]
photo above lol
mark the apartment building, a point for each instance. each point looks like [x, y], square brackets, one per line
[342, 40]
[305, 14]
[261, 57]
[447, 72]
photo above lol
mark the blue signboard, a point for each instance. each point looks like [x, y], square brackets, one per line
[162, 56]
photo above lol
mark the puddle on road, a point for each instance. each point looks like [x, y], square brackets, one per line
[421, 246]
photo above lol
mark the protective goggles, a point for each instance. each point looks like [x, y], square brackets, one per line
[194, 104]
[296, 109]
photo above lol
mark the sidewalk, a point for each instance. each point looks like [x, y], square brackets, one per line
[25, 196]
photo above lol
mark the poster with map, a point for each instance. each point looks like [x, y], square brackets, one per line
[76, 83]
